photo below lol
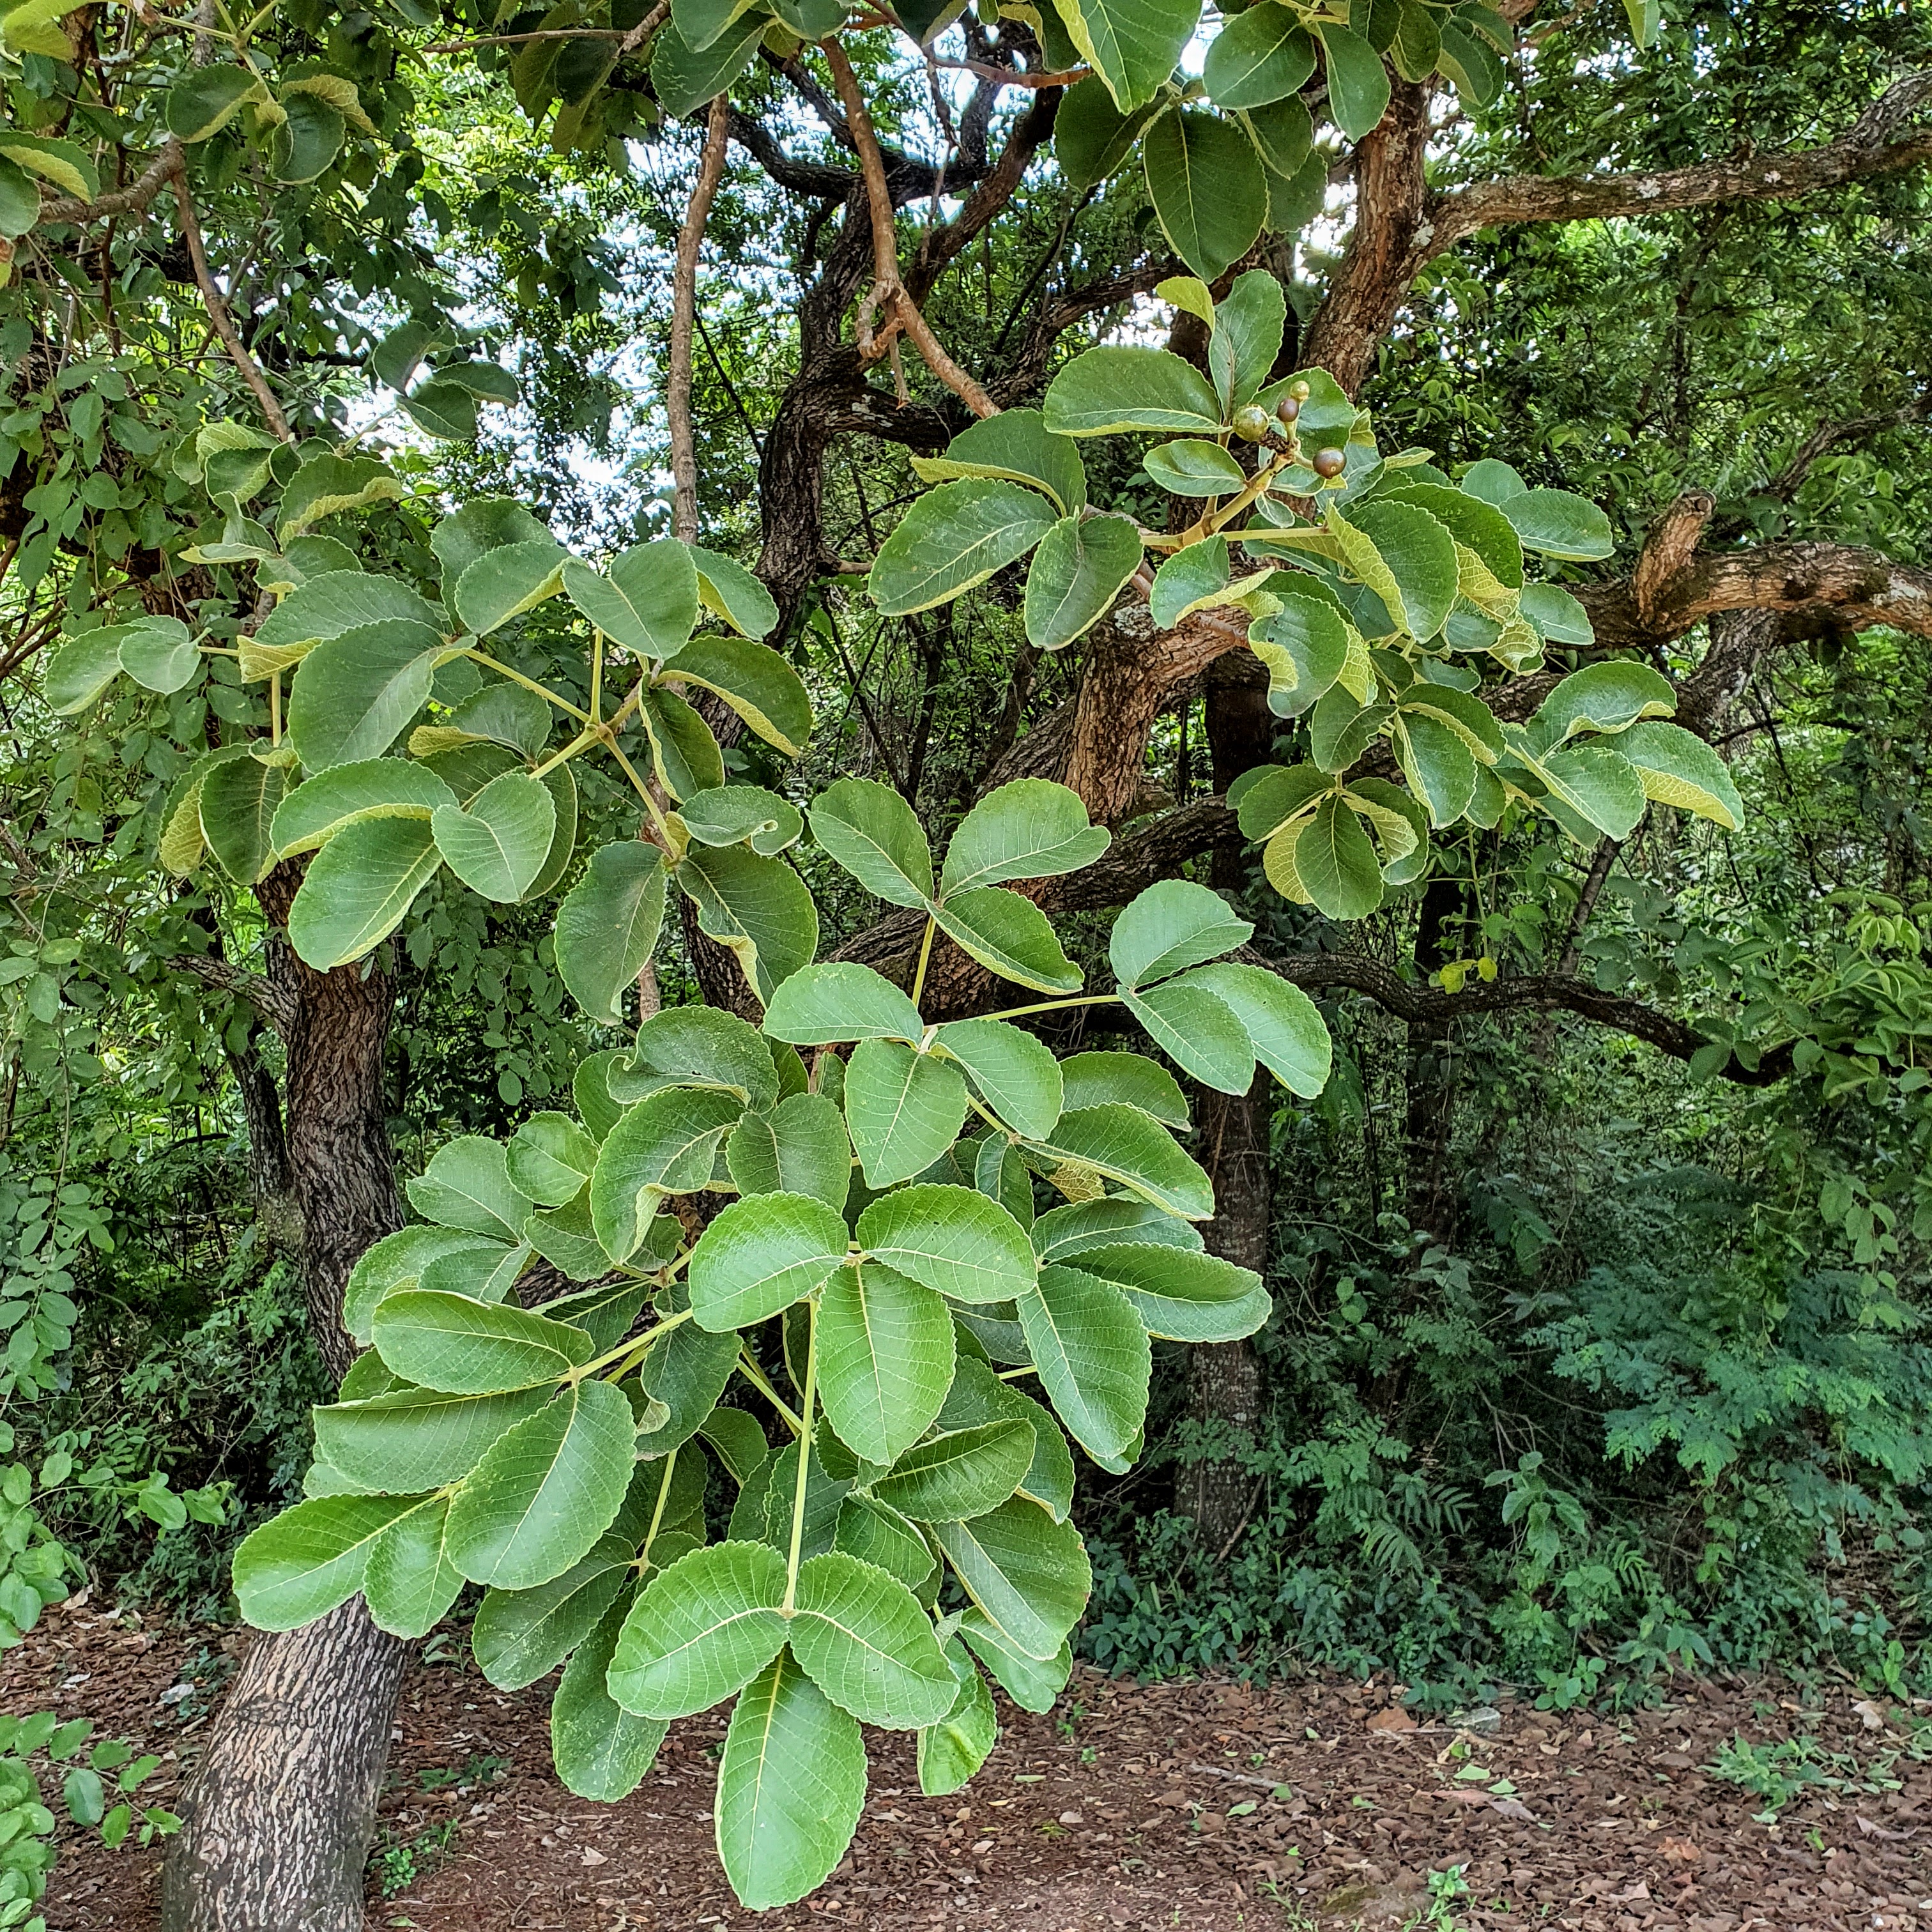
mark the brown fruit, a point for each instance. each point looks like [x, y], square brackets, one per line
[1288, 409]
[1330, 462]
[1252, 423]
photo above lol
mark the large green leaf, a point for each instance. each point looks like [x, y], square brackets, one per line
[863, 1640]
[1676, 768]
[885, 1359]
[703, 1629]
[728, 590]
[467, 1184]
[1097, 1079]
[1411, 564]
[800, 1147]
[1199, 1033]
[952, 1750]
[1337, 864]
[647, 600]
[876, 1533]
[953, 537]
[1206, 184]
[1555, 522]
[1075, 574]
[1102, 391]
[543, 1493]
[755, 682]
[487, 522]
[504, 582]
[359, 887]
[1260, 56]
[1174, 924]
[354, 693]
[1011, 934]
[762, 1254]
[209, 98]
[759, 908]
[1598, 785]
[82, 669]
[1193, 466]
[1132, 45]
[1093, 1359]
[697, 1046]
[978, 1397]
[396, 1262]
[904, 1109]
[1033, 1683]
[1091, 139]
[791, 1786]
[601, 1751]
[607, 925]
[1607, 696]
[963, 1473]
[238, 801]
[160, 655]
[1105, 1221]
[299, 1565]
[409, 1583]
[1120, 1143]
[1181, 1296]
[549, 1159]
[497, 843]
[1030, 828]
[732, 815]
[686, 1371]
[1481, 526]
[952, 1239]
[1015, 1073]
[318, 809]
[1287, 1030]
[685, 756]
[872, 831]
[521, 1635]
[327, 485]
[667, 1144]
[1358, 83]
[820, 1005]
[683, 80]
[443, 1341]
[409, 1440]
[1015, 444]
[1305, 645]
[1028, 1574]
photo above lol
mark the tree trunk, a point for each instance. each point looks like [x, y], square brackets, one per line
[278, 1818]
[1225, 1377]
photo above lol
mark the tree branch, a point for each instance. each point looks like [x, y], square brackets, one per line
[217, 313]
[683, 312]
[273, 1002]
[134, 198]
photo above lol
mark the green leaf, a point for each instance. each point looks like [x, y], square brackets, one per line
[1470, 520]
[497, 844]
[1029, 829]
[1091, 139]
[359, 887]
[1199, 1033]
[1557, 615]
[1283, 1023]
[763, 1511]
[1174, 924]
[545, 1492]
[1075, 574]
[755, 682]
[791, 1786]
[1132, 45]
[1305, 645]
[488, 524]
[687, 1372]
[699, 22]
[876, 1534]
[863, 1638]
[1011, 935]
[739, 1441]
[1358, 84]
[409, 1440]
[978, 1397]
[63, 163]
[759, 908]
[953, 1239]
[1599, 786]
[1032, 1683]
[1016, 445]
[19, 201]
[733, 814]
[521, 1635]
[1098, 1079]
[299, 1565]
[1295, 199]
[1607, 696]
[1093, 1359]
[1029, 1574]
[1194, 467]
[1248, 326]
[308, 141]
[1337, 864]
[1206, 184]
[1678, 768]
[904, 1109]
[506, 713]
[160, 655]
[728, 590]
[319, 808]
[819, 1005]
[1409, 561]
[1103, 391]
[1120, 1143]
[1015, 1073]
[697, 1046]
[327, 485]
[397, 1261]
[602, 1751]
[1340, 730]
[1260, 56]
[800, 1147]
[1105, 1221]
[409, 1582]
[953, 537]
[336, 601]
[504, 582]
[1554, 523]
[607, 925]
[443, 1341]
[885, 1359]
[685, 756]
[762, 1254]
[1438, 765]
[872, 831]
[354, 692]
[1180, 1296]
[1189, 579]
[467, 1184]
[704, 1628]
[549, 1159]
[683, 80]
[82, 669]
[237, 801]
[963, 1473]
[667, 1144]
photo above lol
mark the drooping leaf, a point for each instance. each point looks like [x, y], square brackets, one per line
[1181, 1296]
[300, 1564]
[728, 590]
[409, 1582]
[759, 908]
[607, 925]
[1010, 933]
[1075, 574]
[1260, 56]
[755, 682]
[1132, 45]
[1016, 445]
[762, 1254]
[359, 887]
[1678, 768]
[904, 1109]
[1014, 1072]
[1199, 1033]
[602, 1751]
[1206, 184]
[1337, 864]
[1120, 1143]
[978, 1397]
[1174, 924]
[237, 802]
[406, 1441]
[872, 831]
[1091, 139]
[963, 1473]
[497, 843]
[1094, 1358]
[1033, 1684]
[1029, 1574]
[800, 1147]
[953, 1239]
[732, 814]
[1358, 84]
[697, 1046]
[885, 1359]
[703, 1629]
[1283, 1023]
[863, 1638]
[953, 537]
[1098, 1079]
[521, 1635]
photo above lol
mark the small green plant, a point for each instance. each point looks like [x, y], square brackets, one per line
[1445, 1888]
[399, 1863]
[1779, 1773]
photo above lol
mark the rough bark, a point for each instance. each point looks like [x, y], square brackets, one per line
[277, 1821]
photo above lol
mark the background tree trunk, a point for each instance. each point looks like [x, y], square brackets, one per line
[279, 1816]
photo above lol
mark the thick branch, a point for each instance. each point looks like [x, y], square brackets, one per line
[272, 1001]
[134, 198]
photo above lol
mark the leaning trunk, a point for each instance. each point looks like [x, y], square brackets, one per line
[279, 1817]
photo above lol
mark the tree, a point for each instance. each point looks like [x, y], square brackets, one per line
[280, 150]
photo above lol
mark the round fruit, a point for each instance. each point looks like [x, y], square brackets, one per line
[1330, 462]
[1251, 423]
[1288, 409]
[1300, 392]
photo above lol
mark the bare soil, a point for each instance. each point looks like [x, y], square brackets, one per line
[1212, 1807]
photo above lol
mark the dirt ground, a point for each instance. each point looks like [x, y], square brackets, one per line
[1209, 1807]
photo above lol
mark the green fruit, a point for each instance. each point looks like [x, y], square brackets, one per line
[1300, 392]
[1252, 423]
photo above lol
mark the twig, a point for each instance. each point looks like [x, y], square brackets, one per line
[218, 314]
[1008, 76]
[132, 199]
[683, 309]
[1235, 1776]
[887, 291]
